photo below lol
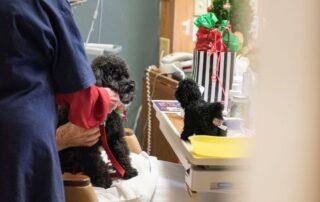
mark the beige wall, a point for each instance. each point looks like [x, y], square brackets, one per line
[286, 168]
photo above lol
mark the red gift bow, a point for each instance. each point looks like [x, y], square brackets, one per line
[210, 40]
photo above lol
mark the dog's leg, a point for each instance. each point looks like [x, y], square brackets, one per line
[189, 126]
[118, 145]
[69, 160]
[121, 152]
[94, 166]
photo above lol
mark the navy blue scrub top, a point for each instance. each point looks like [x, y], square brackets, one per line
[41, 53]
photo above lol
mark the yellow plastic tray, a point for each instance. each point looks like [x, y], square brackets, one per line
[221, 147]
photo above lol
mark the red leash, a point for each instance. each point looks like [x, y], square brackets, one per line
[119, 169]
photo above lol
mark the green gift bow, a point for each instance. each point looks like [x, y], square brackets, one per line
[207, 20]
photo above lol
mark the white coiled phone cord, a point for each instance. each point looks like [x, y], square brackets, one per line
[150, 95]
[149, 105]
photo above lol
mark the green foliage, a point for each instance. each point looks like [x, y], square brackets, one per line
[218, 9]
[240, 15]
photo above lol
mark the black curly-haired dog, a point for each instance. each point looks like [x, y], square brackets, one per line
[110, 71]
[200, 117]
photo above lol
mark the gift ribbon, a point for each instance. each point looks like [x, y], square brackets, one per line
[215, 75]
[119, 169]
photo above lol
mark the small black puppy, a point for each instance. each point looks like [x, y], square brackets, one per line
[110, 71]
[201, 118]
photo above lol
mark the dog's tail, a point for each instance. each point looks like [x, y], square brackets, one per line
[187, 92]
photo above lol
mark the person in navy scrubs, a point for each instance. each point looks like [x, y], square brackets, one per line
[41, 55]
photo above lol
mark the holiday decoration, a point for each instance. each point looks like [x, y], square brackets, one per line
[215, 36]
[214, 57]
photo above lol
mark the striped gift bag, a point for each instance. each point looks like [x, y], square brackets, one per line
[214, 71]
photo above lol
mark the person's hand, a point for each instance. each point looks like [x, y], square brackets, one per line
[114, 99]
[70, 135]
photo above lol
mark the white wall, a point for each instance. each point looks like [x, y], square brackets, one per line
[133, 24]
[286, 168]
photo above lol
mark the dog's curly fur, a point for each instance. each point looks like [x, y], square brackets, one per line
[110, 71]
[199, 115]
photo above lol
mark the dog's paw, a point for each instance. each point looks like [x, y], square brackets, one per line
[104, 183]
[130, 173]
[185, 137]
[107, 183]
